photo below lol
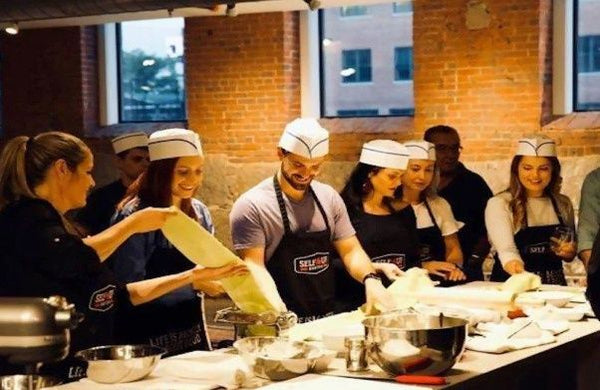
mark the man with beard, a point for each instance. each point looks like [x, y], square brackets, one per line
[291, 224]
[467, 194]
[132, 158]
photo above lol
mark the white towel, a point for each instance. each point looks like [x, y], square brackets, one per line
[517, 334]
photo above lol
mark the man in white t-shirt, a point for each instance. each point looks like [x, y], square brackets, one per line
[291, 224]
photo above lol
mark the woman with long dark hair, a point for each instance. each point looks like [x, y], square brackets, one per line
[387, 236]
[522, 220]
[176, 320]
[440, 251]
[41, 179]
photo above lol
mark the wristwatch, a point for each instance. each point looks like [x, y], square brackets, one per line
[371, 275]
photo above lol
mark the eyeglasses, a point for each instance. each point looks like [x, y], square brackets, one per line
[448, 148]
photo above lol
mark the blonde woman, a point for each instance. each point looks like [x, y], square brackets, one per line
[522, 220]
[437, 229]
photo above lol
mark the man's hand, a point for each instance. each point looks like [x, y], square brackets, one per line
[391, 271]
[378, 298]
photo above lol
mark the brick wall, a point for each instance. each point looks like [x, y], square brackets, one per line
[42, 81]
[484, 82]
[242, 79]
[89, 78]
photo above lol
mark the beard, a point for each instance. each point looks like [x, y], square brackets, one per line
[292, 182]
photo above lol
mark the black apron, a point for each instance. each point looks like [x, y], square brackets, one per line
[301, 267]
[174, 321]
[533, 243]
[433, 247]
[386, 239]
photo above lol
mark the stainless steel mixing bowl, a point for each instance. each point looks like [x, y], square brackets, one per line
[278, 359]
[120, 363]
[415, 343]
[27, 382]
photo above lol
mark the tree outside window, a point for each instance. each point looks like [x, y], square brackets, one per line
[151, 71]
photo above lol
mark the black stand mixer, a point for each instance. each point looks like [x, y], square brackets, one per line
[34, 331]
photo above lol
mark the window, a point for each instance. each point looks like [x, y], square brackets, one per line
[362, 112]
[151, 70]
[587, 59]
[403, 63]
[356, 66]
[402, 111]
[588, 54]
[359, 65]
[357, 10]
[400, 7]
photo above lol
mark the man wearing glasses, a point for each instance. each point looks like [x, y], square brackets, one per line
[467, 194]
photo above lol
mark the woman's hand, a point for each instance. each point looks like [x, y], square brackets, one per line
[514, 267]
[201, 274]
[445, 269]
[211, 288]
[151, 218]
[391, 271]
[564, 249]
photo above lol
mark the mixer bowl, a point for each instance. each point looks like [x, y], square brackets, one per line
[120, 363]
[280, 359]
[415, 343]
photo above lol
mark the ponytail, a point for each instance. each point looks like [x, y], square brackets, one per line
[24, 162]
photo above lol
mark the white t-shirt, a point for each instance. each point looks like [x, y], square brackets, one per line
[499, 221]
[442, 212]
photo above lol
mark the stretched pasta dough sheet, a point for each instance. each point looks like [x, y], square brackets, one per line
[254, 292]
[478, 298]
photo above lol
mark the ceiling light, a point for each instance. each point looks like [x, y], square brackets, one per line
[326, 42]
[12, 29]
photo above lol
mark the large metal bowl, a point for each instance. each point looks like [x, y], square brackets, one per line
[120, 363]
[27, 382]
[278, 359]
[415, 343]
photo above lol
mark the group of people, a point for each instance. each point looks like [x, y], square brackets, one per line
[404, 205]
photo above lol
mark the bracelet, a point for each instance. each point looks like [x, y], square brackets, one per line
[371, 275]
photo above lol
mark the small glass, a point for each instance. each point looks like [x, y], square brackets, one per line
[356, 354]
[562, 235]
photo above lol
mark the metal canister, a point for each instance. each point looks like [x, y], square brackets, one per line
[356, 353]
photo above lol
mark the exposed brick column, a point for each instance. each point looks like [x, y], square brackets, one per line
[485, 82]
[242, 79]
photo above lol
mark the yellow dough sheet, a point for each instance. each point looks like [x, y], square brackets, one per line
[254, 292]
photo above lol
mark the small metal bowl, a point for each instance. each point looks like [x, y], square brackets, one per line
[120, 363]
[415, 343]
[27, 382]
[278, 359]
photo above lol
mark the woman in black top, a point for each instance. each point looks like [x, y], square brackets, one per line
[388, 236]
[41, 179]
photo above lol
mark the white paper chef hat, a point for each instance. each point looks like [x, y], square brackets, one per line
[420, 150]
[129, 141]
[305, 137]
[384, 153]
[173, 143]
[536, 145]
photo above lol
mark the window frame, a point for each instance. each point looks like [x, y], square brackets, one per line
[357, 54]
[411, 69]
